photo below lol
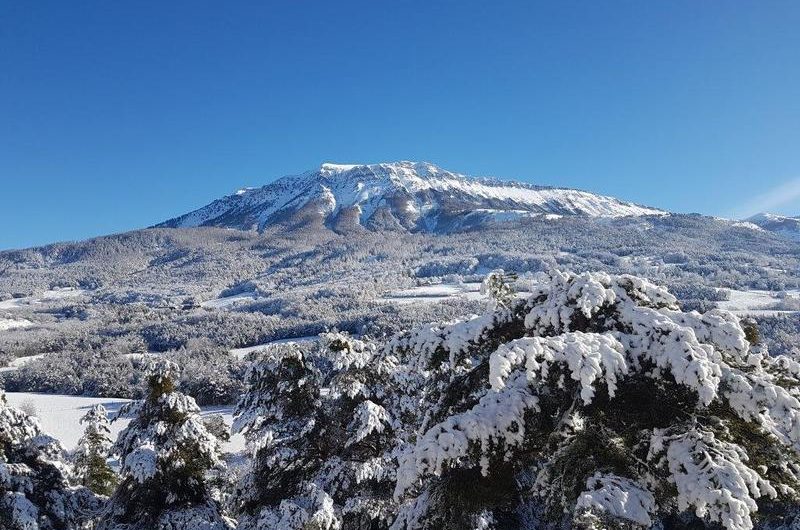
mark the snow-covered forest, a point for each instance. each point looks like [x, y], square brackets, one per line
[76, 317]
[571, 401]
[324, 379]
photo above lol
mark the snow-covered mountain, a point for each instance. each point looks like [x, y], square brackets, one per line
[408, 195]
[785, 226]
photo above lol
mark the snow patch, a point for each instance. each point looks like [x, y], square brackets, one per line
[757, 302]
[241, 353]
[19, 362]
[7, 324]
[60, 415]
[227, 302]
[52, 295]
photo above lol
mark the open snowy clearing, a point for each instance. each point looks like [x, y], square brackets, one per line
[60, 415]
[756, 302]
[226, 302]
[19, 362]
[428, 294]
[7, 324]
[241, 353]
[47, 296]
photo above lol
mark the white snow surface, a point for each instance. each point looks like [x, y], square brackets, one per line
[47, 296]
[60, 415]
[241, 353]
[226, 302]
[433, 293]
[756, 302]
[19, 362]
[7, 324]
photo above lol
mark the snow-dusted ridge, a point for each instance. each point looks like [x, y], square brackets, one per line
[788, 227]
[407, 195]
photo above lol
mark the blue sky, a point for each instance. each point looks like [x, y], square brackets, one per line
[117, 115]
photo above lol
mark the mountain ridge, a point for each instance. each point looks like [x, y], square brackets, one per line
[415, 196]
[782, 225]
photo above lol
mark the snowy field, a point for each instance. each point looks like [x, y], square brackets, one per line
[241, 353]
[756, 302]
[428, 294]
[19, 362]
[226, 302]
[7, 324]
[60, 415]
[47, 296]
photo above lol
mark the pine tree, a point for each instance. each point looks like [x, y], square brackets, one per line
[322, 439]
[595, 403]
[165, 454]
[91, 466]
[498, 287]
[278, 415]
[358, 472]
[34, 490]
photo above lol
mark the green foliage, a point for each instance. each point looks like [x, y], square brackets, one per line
[751, 332]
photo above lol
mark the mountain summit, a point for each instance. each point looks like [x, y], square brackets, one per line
[399, 195]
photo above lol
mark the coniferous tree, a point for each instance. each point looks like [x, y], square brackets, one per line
[34, 489]
[91, 465]
[322, 439]
[498, 287]
[165, 454]
[278, 415]
[597, 403]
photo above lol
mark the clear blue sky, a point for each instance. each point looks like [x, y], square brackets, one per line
[116, 115]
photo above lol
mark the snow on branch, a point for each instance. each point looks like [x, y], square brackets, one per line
[497, 420]
[618, 497]
[586, 355]
[712, 477]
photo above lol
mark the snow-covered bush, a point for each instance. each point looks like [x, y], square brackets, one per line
[34, 478]
[595, 403]
[165, 452]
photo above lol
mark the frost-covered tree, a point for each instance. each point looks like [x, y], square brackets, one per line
[166, 453]
[359, 472]
[34, 489]
[278, 416]
[320, 438]
[595, 403]
[90, 458]
[498, 287]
